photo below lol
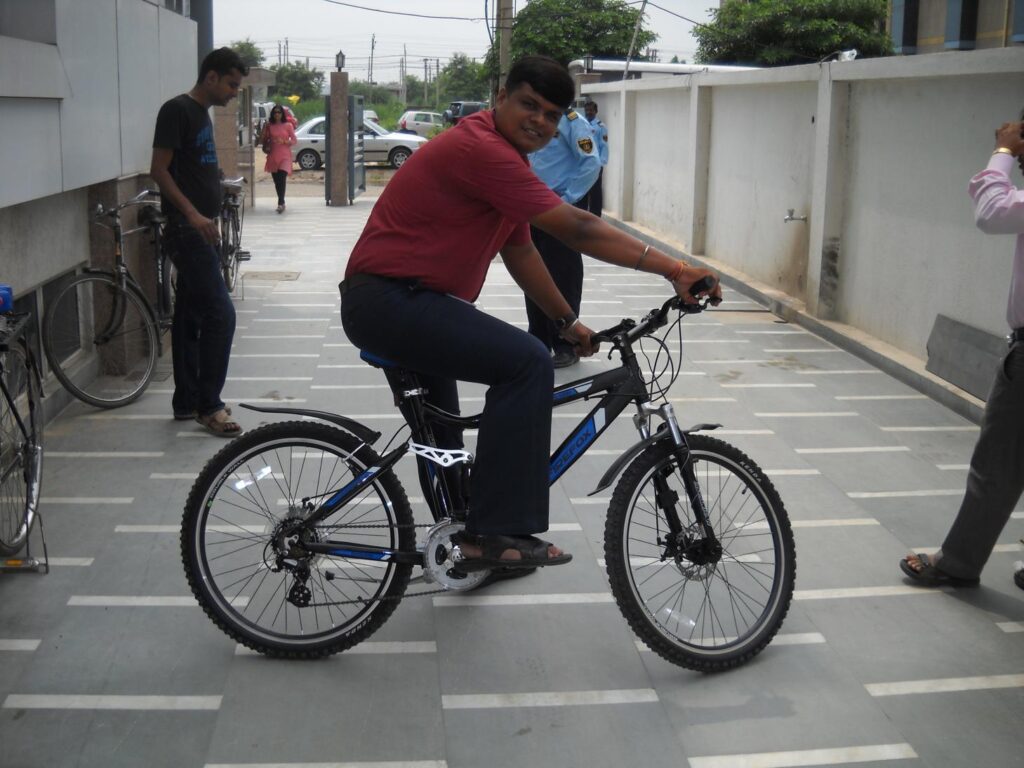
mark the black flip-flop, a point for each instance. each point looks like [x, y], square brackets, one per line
[1018, 575]
[930, 576]
[533, 552]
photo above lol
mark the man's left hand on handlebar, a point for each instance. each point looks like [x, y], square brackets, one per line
[688, 276]
[579, 335]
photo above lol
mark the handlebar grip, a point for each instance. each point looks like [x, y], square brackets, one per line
[706, 283]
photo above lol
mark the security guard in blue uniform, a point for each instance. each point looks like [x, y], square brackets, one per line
[595, 197]
[568, 164]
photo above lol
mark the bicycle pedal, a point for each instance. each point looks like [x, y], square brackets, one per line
[243, 255]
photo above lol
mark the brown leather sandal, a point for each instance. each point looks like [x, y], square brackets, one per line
[219, 423]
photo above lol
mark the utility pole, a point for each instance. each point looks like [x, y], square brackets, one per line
[504, 29]
[426, 79]
[403, 95]
[373, 44]
[279, 53]
[437, 81]
[287, 55]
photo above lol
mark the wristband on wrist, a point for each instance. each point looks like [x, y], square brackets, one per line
[676, 272]
[1003, 151]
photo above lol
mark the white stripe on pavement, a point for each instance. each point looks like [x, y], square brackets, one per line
[80, 701]
[793, 758]
[502, 601]
[945, 685]
[548, 699]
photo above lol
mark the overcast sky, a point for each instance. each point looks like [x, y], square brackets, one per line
[319, 28]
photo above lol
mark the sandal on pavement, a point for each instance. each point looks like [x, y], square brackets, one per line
[1018, 574]
[219, 423]
[533, 552]
[195, 414]
[930, 576]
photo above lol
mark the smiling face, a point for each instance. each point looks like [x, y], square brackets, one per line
[526, 119]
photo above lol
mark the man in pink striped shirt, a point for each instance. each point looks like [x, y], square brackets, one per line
[996, 478]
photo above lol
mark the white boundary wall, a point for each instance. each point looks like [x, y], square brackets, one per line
[875, 153]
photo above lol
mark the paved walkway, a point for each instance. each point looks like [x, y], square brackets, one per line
[107, 662]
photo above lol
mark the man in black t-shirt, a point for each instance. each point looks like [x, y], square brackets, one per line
[185, 167]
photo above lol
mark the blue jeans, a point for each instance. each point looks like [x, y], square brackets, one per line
[204, 324]
[447, 339]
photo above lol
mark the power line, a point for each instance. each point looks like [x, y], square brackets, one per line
[406, 13]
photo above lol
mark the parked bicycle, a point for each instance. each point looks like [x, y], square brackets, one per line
[21, 435]
[298, 540]
[232, 214]
[101, 334]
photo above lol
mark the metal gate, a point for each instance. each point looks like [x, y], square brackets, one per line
[356, 163]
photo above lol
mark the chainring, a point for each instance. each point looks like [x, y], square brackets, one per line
[439, 558]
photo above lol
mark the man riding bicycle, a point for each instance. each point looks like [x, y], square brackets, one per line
[423, 257]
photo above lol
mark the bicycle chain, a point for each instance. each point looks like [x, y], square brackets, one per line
[365, 600]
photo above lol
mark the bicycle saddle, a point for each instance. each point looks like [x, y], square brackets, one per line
[376, 361]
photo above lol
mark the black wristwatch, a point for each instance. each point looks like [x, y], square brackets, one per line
[565, 322]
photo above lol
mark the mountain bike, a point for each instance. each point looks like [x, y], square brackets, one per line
[298, 540]
[21, 434]
[232, 214]
[101, 334]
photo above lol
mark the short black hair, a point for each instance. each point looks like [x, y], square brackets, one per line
[590, 103]
[546, 76]
[221, 61]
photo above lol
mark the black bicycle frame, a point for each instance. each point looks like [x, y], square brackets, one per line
[622, 386]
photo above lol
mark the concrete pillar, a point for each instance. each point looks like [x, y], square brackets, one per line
[698, 154]
[824, 266]
[337, 157]
[225, 136]
[627, 130]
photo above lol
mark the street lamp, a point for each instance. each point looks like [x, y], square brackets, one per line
[339, 60]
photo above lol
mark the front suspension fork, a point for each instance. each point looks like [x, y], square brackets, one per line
[666, 498]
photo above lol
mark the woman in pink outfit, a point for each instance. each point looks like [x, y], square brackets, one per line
[277, 139]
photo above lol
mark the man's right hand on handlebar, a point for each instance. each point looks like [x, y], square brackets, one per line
[688, 276]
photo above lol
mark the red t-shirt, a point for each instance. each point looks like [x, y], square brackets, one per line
[453, 205]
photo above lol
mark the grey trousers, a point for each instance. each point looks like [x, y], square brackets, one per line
[996, 477]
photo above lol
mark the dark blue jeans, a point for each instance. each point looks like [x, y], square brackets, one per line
[204, 324]
[447, 339]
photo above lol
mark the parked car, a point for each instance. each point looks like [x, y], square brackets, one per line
[420, 123]
[379, 145]
[460, 109]
[369, 114]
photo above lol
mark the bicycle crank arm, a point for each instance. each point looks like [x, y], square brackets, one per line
[362, 552]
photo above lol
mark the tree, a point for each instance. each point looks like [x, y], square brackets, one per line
[463, 79]
[567, 30]
[297, 79]
[777, 32]
[249, 51]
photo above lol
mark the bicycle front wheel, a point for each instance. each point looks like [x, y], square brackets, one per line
[101, 340]
[230, 242]
[699, 606]
[21, 453]
[244, 527]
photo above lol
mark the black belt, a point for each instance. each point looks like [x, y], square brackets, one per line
[362, 278]
[1017, 334]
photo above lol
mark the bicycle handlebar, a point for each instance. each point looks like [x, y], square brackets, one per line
[629, 330]
[139, 199]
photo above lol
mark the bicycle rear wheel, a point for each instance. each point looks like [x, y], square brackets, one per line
[101, 340]
[696, 607]
[242, 535]
[230, 242]
[21, 454]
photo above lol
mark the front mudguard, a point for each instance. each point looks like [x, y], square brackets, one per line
[634, 450]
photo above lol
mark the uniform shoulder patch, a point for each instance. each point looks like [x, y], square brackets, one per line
[572, 115]
[586, 144]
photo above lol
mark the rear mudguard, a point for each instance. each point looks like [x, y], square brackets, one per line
[361, 431]
[634, 450]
